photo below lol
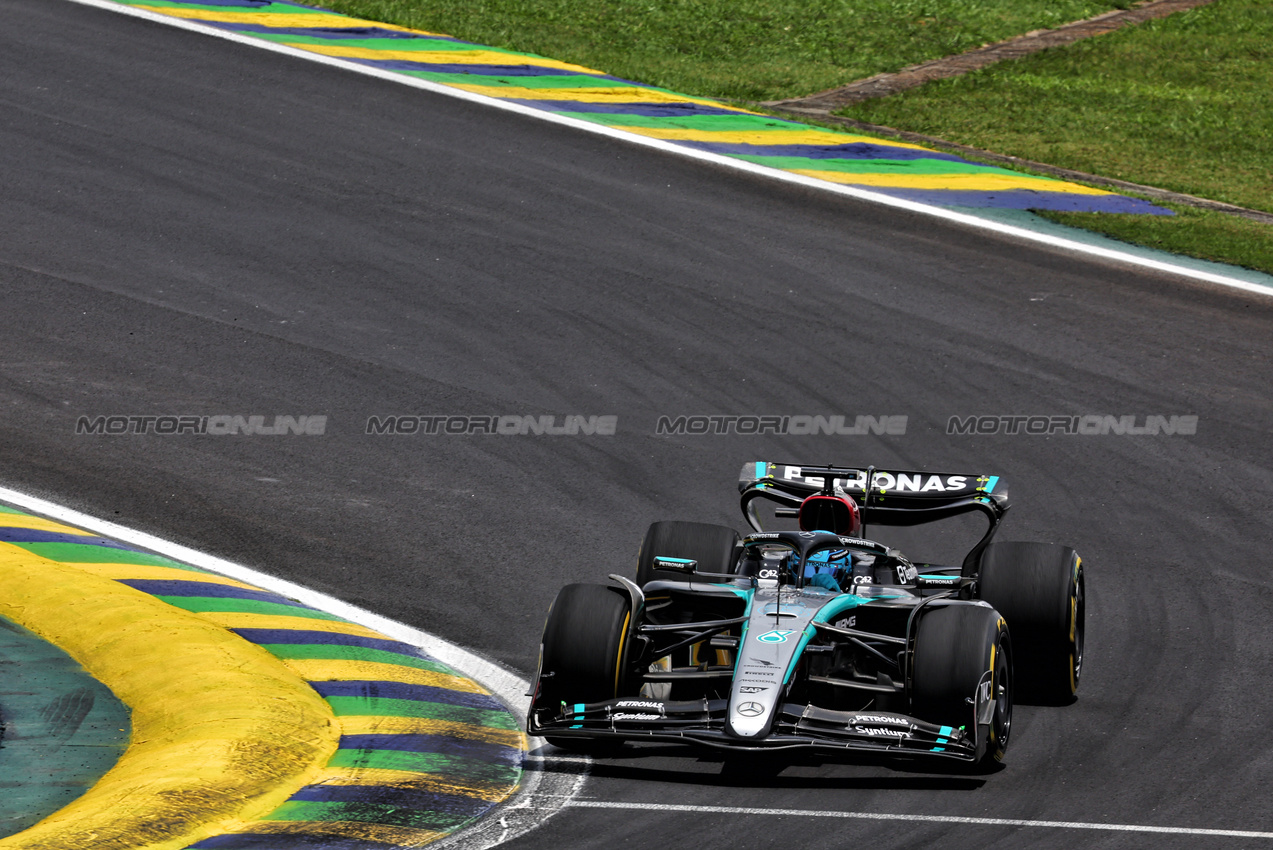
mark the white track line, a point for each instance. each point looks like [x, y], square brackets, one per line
[948, 819]
[715, 159]
[542, 793]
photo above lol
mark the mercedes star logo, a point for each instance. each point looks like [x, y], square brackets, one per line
[751, 709]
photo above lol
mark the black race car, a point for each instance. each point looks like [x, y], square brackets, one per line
[817, 638]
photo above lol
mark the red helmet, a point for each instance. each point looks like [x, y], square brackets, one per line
[830, 513]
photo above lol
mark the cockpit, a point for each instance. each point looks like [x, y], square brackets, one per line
[802, 557]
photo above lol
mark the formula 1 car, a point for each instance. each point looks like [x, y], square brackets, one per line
[818, 638]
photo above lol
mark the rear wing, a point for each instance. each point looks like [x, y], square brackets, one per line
[893, 497]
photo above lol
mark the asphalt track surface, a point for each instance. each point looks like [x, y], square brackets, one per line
[194, 227]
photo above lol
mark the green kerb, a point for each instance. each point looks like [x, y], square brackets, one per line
[446, 765]
[423, 43]
[91, 553]
[740, 123]
[381, 707]
[320, 812]
[925, 165]
[224, 605]
[272, 8]
[332, 652]
[560, 81]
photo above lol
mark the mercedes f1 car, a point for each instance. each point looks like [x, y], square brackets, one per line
[817, 638]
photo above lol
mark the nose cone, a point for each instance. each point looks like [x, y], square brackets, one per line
[775, 635]
[749, 719]
[758, 679]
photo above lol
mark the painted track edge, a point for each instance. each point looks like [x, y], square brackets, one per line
[541, 794]
[964, 219]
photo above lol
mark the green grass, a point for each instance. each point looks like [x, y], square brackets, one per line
[1183, 103]
[1198, 233]
[734, 49]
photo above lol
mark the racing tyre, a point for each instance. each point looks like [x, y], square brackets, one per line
[958, 648]
[584, 645]
[1038, 587]
[715, 547]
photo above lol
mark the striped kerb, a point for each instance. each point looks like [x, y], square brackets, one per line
[423, 750]
[900, 170]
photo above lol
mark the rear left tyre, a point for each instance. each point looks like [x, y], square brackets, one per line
[1038, 587]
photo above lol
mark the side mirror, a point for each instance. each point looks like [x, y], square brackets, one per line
[678, 565]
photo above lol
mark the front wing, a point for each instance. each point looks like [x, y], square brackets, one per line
[796, 726]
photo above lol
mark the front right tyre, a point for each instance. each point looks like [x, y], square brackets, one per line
[715, 547]
[960, 650]
[585, 644]
[584, 651]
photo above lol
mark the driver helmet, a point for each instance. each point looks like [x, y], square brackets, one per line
[837, 514]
